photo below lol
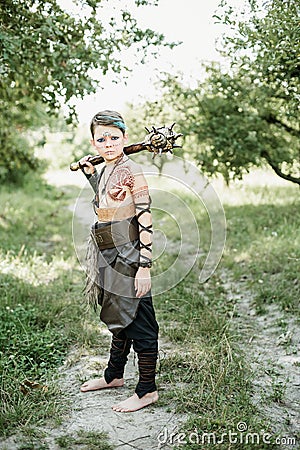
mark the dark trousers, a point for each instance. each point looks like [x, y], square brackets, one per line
[142, 333]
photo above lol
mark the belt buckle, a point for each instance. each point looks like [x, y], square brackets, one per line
[98, 237]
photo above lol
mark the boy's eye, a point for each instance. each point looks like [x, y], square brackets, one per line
[102, 139]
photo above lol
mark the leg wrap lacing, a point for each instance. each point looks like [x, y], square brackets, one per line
[120, 348]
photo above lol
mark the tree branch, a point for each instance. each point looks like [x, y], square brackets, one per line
[270, 118]
[277, 170]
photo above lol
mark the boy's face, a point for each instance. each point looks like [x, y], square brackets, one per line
[109, 142]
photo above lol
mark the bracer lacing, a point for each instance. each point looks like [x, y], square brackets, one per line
[144, 207]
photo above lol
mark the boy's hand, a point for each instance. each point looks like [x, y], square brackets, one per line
[142, 282]
[89, 168]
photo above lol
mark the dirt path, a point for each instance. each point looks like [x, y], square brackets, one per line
[92, 411]
[271, 343]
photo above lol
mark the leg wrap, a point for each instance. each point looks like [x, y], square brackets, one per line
[120, 348]
[144, 333]
[147, 366]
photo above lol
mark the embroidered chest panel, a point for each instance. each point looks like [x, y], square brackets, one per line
[120, 184]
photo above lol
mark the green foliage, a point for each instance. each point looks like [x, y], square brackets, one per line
[235, 126]
[263, 87]
[205, 374]
[263, 245]
[271, 33]
[56, 49]
[51, 55]
[41, 301]
[246, 115]
[30, 341]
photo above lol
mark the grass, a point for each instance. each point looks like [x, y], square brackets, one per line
[205, 375]
[83, 440]
[87, 440]
[41, 303]
[264, 245]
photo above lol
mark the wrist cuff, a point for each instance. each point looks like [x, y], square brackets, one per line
[147, 264]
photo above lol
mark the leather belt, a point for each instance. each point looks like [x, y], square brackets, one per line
[115, 233]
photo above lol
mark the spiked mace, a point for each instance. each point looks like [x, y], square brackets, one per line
[159, 140]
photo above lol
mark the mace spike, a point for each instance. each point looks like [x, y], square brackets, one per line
[177, 136]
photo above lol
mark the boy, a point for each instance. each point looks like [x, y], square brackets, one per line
[123, 235]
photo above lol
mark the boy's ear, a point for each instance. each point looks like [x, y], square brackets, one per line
[125, 137]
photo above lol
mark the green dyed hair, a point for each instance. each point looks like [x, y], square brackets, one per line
[108, 118]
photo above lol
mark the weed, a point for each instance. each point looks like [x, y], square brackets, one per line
[264, 232]
[87, 440]
[278, 391]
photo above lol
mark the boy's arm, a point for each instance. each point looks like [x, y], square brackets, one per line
[142, 203]
[92, 179]
[89, 172]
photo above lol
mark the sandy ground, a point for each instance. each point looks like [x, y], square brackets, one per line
[91, 411]
[271, 343]
[272, 351]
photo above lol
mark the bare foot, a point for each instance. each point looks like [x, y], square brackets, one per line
[134, 403]
[100, 383]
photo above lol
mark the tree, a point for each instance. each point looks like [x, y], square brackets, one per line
[248, 113]
[50, 55]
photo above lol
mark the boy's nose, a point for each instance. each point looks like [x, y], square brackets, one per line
[108, 142]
